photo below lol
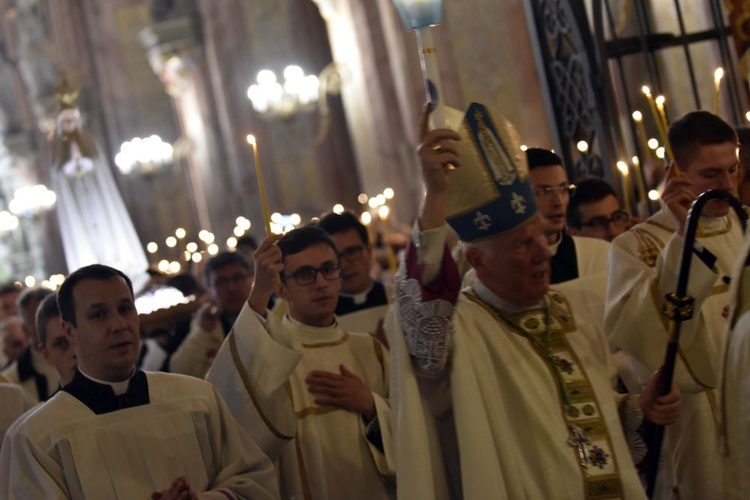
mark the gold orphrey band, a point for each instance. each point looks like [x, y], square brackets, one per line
[429, 51]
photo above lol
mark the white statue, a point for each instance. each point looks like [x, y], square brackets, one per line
[94, 224]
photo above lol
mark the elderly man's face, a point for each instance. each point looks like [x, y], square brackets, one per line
[515, 265]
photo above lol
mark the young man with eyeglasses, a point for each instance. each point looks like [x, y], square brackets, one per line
[229, 277]
[595, 211]
[312, 395]
[572, 257]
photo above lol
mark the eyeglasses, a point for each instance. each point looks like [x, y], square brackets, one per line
[235, 279]
[618, 218]
[351, 253]
[548, 191]
[306, 275]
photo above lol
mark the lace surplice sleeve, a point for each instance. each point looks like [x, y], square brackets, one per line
[427, 285]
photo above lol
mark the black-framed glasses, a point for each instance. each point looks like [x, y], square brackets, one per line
[351, 253]
[306, 275]
[618, 218]
[548, 191]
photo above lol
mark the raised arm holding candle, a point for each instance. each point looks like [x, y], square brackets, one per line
[261, 185]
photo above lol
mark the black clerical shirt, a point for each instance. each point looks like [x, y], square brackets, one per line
[375, 297]
[101, 398]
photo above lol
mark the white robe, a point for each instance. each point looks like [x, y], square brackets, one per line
[42, 367]
[62, 449]
[511, 430]
[735, 392]
[320, 452]
[14, 402]
[644, 264]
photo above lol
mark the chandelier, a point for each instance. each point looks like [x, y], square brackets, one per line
[299, 92]
[144, 155]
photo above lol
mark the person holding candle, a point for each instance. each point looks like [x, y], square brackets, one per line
[314, 396]
[572, 256]
[643, 268]
[229, 276]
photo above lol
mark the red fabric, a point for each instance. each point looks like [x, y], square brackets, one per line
[448, 284]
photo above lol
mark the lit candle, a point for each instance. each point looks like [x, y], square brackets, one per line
[638, 118]
[718, 75]
[659, 124]
[261, 185]
[623, 168]
[660, 100]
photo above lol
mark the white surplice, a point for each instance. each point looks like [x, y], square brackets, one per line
[62, 449]
[320, 451]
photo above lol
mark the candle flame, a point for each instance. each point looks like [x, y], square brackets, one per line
[636, 161]
[660, 100]
[250, 139]
[623, 167]
[718, 74]
[646, 90]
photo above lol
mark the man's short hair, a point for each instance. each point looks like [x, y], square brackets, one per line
[333, 223]
[65, 300]
[10, 287]
[246, 241]
[224, 259]
[299, 239]
[30, 295]
[48, 309]
[695, 129]
[538, 157]
[588, 190]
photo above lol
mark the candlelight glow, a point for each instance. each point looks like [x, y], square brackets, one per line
[660, 152]
[180, 232]
[623, 167]
[338, 208]
[653, 143]
[653, 195]
[152, 247]
[250, 139]
[171, 242]
[637, 116]
[582, 146]
[718, 74]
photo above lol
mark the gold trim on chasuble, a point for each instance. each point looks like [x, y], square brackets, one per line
[651, 247]
[589, 437]
[245, 377]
